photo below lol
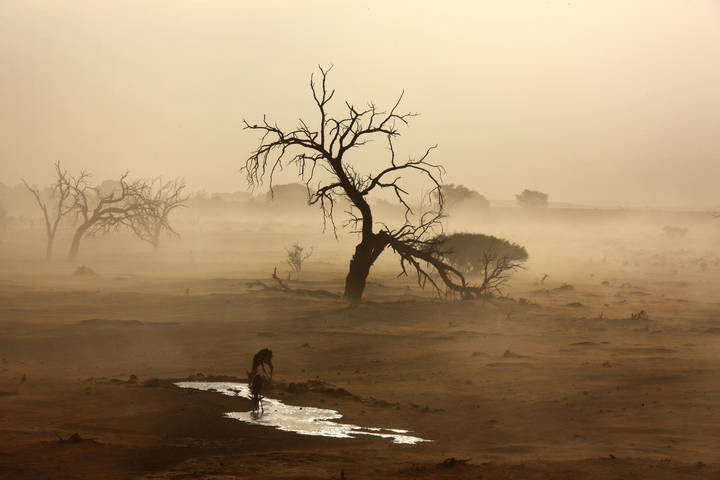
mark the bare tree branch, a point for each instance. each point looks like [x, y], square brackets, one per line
[151, 217]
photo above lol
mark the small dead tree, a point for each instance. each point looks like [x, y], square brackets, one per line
[322, 156]
[296, 256]
[159, 199]
[101, 212]
[56, 207]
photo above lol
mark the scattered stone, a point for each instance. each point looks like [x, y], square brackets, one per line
[453, 462]
[511, 354]
[76, 438]
[507, 364]
[105, 322]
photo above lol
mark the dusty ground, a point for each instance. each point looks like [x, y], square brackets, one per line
[524, 390]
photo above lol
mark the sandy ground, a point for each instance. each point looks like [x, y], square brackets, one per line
[531, 389]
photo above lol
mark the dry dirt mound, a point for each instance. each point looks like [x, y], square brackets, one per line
[83, 271]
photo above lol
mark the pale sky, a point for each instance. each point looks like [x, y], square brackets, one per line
[607, 102]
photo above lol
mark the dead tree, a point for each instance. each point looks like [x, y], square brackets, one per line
[56, 207]
[322, 156]
[282, 287]
[158, 201]
[100, 212]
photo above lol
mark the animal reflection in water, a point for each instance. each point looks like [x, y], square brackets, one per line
[258, 382]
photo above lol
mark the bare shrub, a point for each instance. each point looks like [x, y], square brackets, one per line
[495, 273]
[296, 256]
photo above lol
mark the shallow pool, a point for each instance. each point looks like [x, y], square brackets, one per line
[301, 420]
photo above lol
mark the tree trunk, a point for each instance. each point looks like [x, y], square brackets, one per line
[357, 274]
[50, 233]
[75, 246]
[156, 239]
[370, 246]
[366, 252]
[49, 250]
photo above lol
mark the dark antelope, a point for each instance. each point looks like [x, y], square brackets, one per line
[262, 358]
[257, 381]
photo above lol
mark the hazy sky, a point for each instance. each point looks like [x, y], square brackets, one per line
[612, 102]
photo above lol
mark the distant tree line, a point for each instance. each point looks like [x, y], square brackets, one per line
[142, 206]
[532, 199]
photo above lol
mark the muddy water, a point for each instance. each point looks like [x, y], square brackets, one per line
[301, 420]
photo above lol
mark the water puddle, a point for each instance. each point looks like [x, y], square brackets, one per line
[301, 420]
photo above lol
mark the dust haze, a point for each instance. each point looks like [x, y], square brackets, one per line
[356, 240]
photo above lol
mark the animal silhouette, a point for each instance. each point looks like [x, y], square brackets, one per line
[261, 359]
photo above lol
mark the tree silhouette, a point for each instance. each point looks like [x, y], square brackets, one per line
[459, 194]
[321, 155]
[489, 259]
[101, 211]
[532, 199]
[152, 217]
[54, 208]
